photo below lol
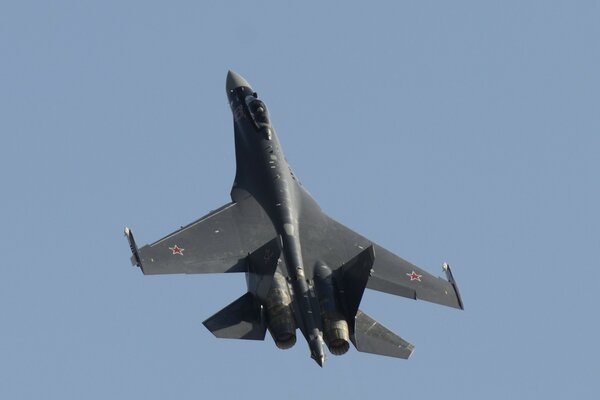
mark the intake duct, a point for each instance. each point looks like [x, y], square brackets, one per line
[280, 319]
[335, 326]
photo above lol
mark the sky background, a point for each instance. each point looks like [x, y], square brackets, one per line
[445, 131]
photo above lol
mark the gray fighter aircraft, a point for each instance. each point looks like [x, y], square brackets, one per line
[304, 270]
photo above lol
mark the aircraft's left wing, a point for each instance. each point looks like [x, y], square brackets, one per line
[217, 242]
[326, 240]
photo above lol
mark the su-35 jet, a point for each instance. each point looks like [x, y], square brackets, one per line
[303, 269]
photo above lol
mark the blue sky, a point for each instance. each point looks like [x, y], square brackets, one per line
[445, 131]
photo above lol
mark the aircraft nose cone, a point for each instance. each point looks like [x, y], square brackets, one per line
[320, 360]
[234, 81]
[316, 350]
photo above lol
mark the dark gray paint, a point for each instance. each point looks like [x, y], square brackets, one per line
[273, 224]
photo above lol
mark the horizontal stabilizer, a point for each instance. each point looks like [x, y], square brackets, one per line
[372, 337]
[242, 319]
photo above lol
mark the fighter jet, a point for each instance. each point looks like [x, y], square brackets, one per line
[303, 269]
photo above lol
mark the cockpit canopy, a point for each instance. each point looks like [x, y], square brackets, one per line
[258, 111]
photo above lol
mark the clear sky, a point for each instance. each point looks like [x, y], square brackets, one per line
[445, 131]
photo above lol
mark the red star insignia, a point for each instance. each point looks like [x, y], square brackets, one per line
[414, 276]
[176, 250]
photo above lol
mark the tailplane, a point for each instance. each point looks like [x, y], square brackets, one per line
[242, 319]
[370, 336]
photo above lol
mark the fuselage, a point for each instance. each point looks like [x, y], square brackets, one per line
[263, 172]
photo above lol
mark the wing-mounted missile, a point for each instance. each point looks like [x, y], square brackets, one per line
[135, 257]
[448, 271]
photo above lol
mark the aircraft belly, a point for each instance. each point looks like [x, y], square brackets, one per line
[304, 270]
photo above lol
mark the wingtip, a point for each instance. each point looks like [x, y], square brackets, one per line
[450, 278]
[410, 350]
[135, 258]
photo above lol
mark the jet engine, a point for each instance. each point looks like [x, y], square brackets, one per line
[280, 319]
[335, 326]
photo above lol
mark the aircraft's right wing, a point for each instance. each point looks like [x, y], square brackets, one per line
[217, 242]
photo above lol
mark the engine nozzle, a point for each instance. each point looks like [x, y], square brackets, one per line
[335, 326]
[280, 320]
